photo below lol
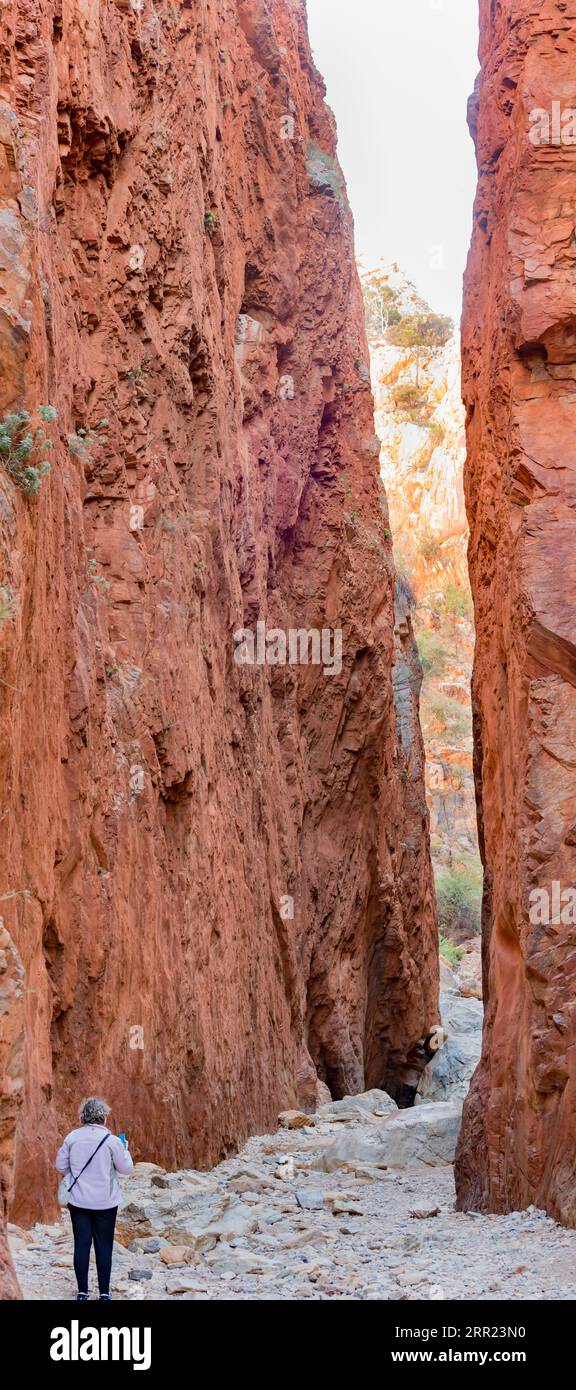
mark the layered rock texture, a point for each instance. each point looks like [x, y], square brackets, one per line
[519, 1132]
[224, 889]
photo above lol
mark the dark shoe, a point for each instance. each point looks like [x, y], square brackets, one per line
[81, 1297]
[106, 1297]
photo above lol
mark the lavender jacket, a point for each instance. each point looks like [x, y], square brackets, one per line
[98, 1188]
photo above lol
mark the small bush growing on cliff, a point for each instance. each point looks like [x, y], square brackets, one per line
[457, 601]
[324, 173]
[96, 577]
[93, 574]
[407, 396]
[411, 402]
[426, 333]
[437, 433]
[449, 716]
[429, 546]
[453, 954]
[210, 221]
[423, 330]
[21, 441]
[83, 441]
[456, 771]
[433, 655]
[459, 899]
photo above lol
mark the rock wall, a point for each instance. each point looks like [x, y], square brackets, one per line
[517, 1143]
[224, 888]
[11, 1078]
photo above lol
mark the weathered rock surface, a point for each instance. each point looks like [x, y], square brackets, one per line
[461, 1016]
[449, 1073]
[229, 899]
[424, 1135]
[519, 358]
[373, 1103]
[11, 1076]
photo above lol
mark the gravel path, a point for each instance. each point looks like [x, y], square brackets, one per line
[271, 1223]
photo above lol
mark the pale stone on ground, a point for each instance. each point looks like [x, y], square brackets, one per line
[357, 1233]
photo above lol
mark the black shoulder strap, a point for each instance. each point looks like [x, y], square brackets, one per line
[83, 1170]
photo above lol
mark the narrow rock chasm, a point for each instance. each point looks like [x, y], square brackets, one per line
[216, 860]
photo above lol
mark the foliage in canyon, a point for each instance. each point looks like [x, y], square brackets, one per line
[421, 428]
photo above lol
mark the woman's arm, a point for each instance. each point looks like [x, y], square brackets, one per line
[121, 1157]
[63, 1157]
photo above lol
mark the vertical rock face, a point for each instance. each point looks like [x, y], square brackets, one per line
[225, 890]
[11, 1075]
[517, 1143]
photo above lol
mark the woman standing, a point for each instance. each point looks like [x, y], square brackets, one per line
[91, 1158]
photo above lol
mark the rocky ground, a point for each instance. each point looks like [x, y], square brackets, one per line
[311, 1212]
[354, 1202]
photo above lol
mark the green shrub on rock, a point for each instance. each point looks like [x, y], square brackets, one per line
[453, 954]
[459, 899]
[22, 445]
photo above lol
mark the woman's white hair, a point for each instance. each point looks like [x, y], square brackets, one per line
[93, 1111]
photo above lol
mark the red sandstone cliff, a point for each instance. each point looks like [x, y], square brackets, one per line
[519, 347]
[11, 1072]
[176, 258]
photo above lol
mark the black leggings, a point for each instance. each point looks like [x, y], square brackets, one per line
[97, 1226]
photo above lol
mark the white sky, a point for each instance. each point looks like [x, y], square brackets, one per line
[398, 74]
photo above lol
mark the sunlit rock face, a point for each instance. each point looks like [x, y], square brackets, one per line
[224, 887]
[519, 357]
[421, 463]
